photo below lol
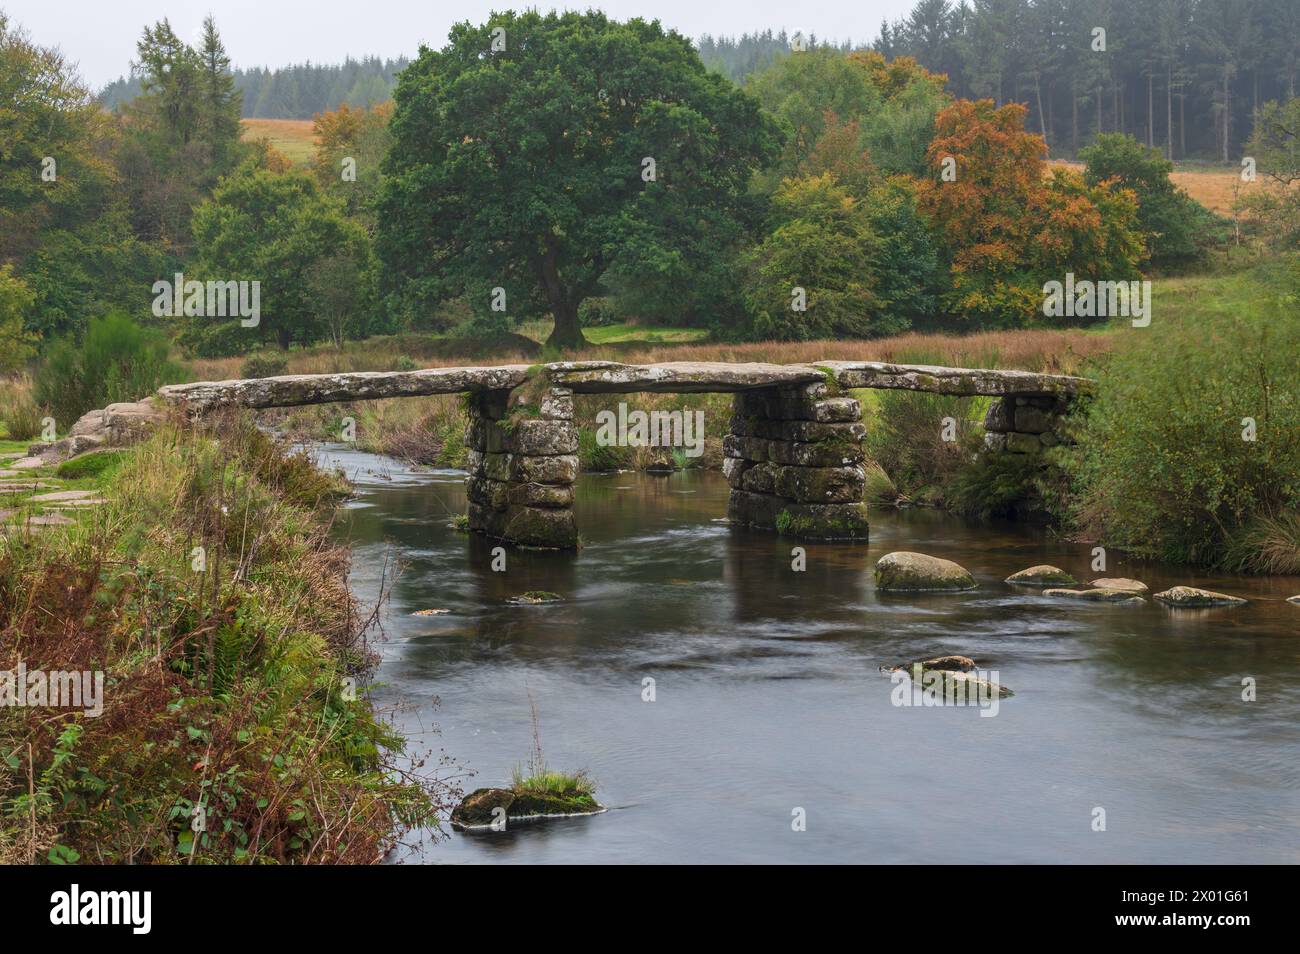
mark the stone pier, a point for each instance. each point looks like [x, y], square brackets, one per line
[1025, 424]
[794, 462]
[522, 462]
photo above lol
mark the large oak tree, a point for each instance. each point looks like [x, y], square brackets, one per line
[526, 167]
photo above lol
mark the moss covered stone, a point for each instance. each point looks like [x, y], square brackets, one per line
[1042, 575]
[1190, 597]
[904, 571]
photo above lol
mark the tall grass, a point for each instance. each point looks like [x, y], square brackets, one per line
[210, 594]
[20, 416]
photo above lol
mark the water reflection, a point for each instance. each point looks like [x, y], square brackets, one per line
[768, 695]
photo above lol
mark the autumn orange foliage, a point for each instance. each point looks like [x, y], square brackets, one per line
[1006, 227]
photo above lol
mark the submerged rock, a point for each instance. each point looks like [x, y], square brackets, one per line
[904, 571]
[1042, 575]
[536, 596]
[955, 674]
[1120, 583]
[483, 807]
[1189, 597]
[1097, 595]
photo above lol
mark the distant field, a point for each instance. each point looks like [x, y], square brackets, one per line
[293, 137]
[1212, 186]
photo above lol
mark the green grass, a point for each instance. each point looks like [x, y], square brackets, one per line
[621, 333]
[547, 782]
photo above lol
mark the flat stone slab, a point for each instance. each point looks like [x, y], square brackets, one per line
[612, 377]
[987, 382]
[291, 390]
[21, 487]
[678, 377]
[67, 495]
[29, 463]
[1119, 583]
[43, 520]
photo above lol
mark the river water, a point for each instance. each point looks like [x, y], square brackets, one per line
[769, 705]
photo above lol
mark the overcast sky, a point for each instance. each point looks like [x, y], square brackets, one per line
[100, 35]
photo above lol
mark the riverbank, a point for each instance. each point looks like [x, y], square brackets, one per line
[205, 599]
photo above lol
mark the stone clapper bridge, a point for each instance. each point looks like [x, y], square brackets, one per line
[793, 456]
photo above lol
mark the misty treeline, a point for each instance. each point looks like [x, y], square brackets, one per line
[1181, 75]
[293, 92]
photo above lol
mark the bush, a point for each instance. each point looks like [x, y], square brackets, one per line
[264, 364]
[597, 313]
[1175, 226]
[1163, 467]
[821, 242]
[117, 360]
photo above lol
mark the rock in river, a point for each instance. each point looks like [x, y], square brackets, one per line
[903, 571]
[1189, 597]
[1098, 594]
[953, 676]
[483, 806]
[1119, 583]
[1042, 575]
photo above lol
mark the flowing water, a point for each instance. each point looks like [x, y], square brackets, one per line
[768, 696]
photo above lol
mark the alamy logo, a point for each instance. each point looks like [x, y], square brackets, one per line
[1089, 299]
[103, 907]
[651, 429]
[210, 299]
[924, 688]
[77, 689]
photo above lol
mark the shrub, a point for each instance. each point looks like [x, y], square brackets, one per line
[117, 360]
[822, 242]
[1163, 467]
[597, 313]
[1176, 227]
[264, 364]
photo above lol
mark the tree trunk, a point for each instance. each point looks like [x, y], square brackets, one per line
[1182, 125]
[1151, 110]
[282, 336]
[1227, 114]
[567, 333]
[1074, 120]
[1042, 120]
[1169, 116]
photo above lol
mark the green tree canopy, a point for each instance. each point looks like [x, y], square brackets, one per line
[583, 145]
[1171, 221]
[275, 228]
